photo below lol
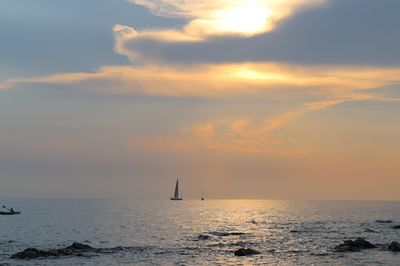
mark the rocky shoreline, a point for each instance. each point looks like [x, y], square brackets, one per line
[83, 250]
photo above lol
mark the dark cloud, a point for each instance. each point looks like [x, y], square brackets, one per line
[349, 32]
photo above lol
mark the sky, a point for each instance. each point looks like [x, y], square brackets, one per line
[276, 99]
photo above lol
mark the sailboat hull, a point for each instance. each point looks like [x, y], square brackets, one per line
[176, 199]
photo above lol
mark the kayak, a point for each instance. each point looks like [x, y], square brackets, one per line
[9, 213]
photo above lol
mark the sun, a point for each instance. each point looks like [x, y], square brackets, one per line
[247, 20]
[237, 17]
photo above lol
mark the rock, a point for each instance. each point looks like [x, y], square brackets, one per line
[363, 244]
[79, 246]
[112, 250]
[369, 230]
[384, 221]
[396, 227]
[394, 246]
[204, 237]
[246, 252]
[236, 233]
[353, 246]
[227, 233]
[29, 253]
[76, 249]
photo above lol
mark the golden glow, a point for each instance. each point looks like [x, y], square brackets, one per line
[254, 75]
[222, 80]
[328, 87]
[243, 19]
[225, 17]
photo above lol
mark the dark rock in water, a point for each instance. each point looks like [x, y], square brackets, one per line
[227, 233]
[80, 247]
[298, 231]
[394, 246]
[384, 221]
[246, 252]
[76, 249]
[204, 237]
[353, 246]
[363, 244]
[116, 249]
[369, 230]
[29, 253]
[236, 233]
[396, 227]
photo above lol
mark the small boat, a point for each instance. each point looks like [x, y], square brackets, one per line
[9, 213]
[177, 195]
[202, 195]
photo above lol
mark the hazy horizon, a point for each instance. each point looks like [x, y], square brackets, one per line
[286, 99]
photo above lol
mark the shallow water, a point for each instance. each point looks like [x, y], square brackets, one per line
[166, 232]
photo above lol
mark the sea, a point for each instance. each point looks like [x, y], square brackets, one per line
[167, 232]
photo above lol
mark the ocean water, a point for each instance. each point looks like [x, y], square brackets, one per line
[166, 232]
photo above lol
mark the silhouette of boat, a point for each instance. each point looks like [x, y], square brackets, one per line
[177, 195]
[202, 194]
[9, 213]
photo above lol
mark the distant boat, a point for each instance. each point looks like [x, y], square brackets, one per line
[202, 195]
[9, 211]
[177, 195]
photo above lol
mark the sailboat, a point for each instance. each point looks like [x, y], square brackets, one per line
[176, 194]
[202, 195]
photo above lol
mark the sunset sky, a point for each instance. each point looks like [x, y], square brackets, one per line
[295, 99]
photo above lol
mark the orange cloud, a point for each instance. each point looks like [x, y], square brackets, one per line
[329, 86]
[240, 136]
[205, 138]
[223, 80]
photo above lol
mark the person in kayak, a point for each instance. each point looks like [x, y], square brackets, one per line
[12, 210]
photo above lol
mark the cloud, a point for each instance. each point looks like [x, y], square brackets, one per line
[324, 86]
[206, 19]
[221, 80]
[221, 136]
[236, 48]
[341, 32]
[226, 17]
[242, 136]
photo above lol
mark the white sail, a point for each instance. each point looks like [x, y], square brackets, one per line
[176, 194]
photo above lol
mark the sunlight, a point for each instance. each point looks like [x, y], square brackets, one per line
[244, 19]
[255, 75]
[226, 17]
